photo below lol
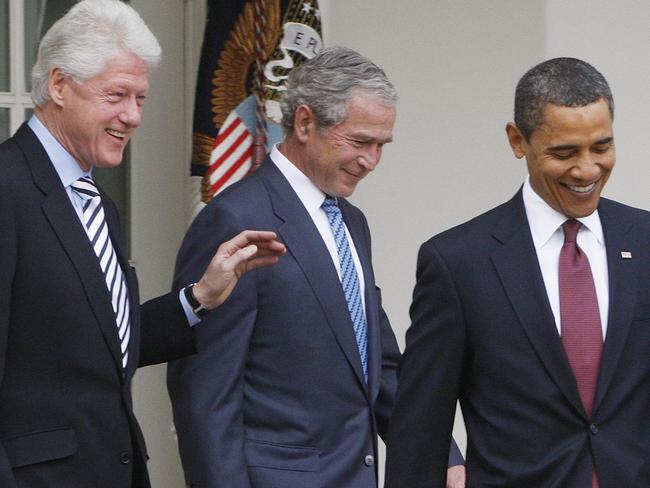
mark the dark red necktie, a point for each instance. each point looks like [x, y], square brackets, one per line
[582, 335]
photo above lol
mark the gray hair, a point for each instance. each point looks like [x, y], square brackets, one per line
[326, 83]
[85, 39]
[566, 82]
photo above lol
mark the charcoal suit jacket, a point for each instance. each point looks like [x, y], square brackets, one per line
[483, 331]
[66, 417]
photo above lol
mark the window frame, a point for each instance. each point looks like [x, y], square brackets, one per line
[17, 99]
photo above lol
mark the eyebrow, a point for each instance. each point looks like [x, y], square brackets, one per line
[569, 147]
[367, 138]
[562, 147]
[605, 140]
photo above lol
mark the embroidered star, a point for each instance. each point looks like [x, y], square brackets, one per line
[317, 13]
[307, 7]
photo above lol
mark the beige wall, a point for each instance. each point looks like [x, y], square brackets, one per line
[455, 64]
[158, 218]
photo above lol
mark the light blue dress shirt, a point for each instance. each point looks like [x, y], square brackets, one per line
[69, 171]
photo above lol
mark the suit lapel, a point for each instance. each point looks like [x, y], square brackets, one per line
[66, 225]
[620, 235]
[518, 268]
[305, 244]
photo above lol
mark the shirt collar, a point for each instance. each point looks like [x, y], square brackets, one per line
[310, 195]
[64, 164]
[544, 220]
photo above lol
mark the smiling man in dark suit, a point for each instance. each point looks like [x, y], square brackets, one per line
[536, 315]
[72, 331]
[296, 396]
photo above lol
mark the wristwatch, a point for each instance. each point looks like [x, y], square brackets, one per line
[199, 310]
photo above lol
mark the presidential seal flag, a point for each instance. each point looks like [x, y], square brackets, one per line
[249, 48]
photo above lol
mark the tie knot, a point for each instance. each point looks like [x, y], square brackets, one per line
[85, 187]
[571, 228]
[330, 205]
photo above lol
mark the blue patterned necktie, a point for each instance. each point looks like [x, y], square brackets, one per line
[97, 230]
[349, 280]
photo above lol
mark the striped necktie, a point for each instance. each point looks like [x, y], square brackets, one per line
[97, 230]
[349, 280]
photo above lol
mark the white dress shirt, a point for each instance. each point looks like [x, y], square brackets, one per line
[546, 228]
[312, 198]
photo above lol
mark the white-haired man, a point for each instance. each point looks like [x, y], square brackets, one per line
[72, 332]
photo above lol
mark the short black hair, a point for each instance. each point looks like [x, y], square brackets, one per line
[566, 82]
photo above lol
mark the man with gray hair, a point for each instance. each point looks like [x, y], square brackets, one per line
[536, 314]
[296, 393]
[72, 331]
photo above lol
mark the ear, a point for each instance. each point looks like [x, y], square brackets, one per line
[304, 123]
[516, 139]
[56, 83]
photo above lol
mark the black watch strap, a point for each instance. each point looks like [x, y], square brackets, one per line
[198, 309]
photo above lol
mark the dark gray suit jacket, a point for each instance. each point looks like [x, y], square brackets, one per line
[275, 396]
[66, 414]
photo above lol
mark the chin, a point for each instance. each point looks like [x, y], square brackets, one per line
[577, 213]
[346, 191]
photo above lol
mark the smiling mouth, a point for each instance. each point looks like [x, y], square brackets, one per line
[354, 175]
[116, 133]
[581, 188]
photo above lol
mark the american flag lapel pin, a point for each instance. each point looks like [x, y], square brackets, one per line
[626, 254]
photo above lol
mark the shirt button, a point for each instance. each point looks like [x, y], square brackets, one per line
[369, 460]
[594, 429]
[125, 457]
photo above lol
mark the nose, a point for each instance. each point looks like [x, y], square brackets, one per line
[131, 113]
[587, 167]
[371, 156]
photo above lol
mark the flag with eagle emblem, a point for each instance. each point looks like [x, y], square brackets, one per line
[248, 49]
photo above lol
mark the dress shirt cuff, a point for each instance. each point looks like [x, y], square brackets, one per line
[192, 318]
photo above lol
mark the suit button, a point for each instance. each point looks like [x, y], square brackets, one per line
[125, 457]
[369, 460]
[594, 429]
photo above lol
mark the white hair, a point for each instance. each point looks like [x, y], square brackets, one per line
[84, 40]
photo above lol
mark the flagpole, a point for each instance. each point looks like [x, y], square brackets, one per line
[259, 140]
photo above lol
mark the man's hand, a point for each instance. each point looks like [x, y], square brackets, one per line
[456, 477]
[246, 251]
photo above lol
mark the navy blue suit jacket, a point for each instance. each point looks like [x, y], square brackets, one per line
[483, 331]
[275, 396]
[66, 415]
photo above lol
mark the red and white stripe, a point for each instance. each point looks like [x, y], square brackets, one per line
[231, 156]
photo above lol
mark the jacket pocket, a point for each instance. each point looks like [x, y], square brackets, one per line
[38, 447]
[262, 454]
